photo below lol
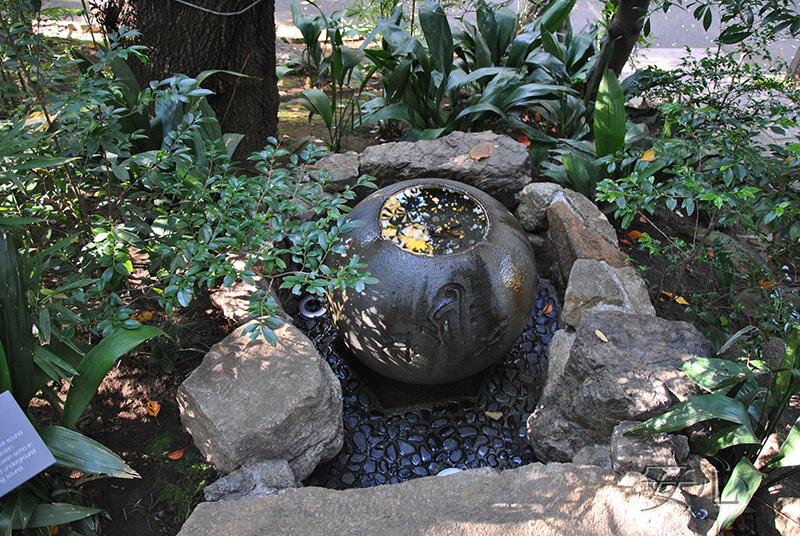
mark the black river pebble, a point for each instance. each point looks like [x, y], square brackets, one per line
[386, 447]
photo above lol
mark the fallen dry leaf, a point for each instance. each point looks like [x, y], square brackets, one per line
[176, 455]
[678, 299]
[600, 335]
[481, 151]
[547, 309]
[624, 241]
[494, 415]
[649, 155]
[767, 284]
[525, 141]
[153, 407]
[636, 235]
[53, 529]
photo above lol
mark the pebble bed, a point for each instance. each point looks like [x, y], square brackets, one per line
[388, 446]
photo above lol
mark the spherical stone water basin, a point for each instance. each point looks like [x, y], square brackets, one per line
[458, 282]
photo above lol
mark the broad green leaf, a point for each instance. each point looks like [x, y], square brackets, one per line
[728, 437]
[709, 373]
[10, 502]
[50, 363]
[609, 116]
[733, 34]
[42, 162]
[742, 484]
[317, 102]
[693, 410]
[15, 322]
[551, 45]
[95, 365]
[76, 451]
[555, 15]
[789, 454]
[46, 515]
[9, 221]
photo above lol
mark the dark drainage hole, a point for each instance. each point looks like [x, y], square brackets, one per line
[395, 432]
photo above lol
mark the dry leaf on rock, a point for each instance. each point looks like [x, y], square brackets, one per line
[601, 335]
[547, 309]
[494, 415]
[481, 151]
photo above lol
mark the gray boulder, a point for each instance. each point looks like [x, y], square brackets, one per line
[658, 456]
[533, 202]
[263, 478]
[343, 168]
[595, 385]
[249, 402]
[595, 285]
[502, 175]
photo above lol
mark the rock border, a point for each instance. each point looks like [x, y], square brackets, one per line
[579, 246]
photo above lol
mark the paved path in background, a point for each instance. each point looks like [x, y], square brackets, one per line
[671, 31]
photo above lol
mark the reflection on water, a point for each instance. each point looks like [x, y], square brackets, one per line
[433, 220]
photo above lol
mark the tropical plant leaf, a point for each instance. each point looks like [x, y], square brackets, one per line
[693, 410]
[438, 36]
[609, 116]
[789, 454]
[76, 451]
[555, 15]
[728, 437]
[710, 373]
[15, 323]
[47, 515]
[95, 365]
[742, 484]
[317, 102]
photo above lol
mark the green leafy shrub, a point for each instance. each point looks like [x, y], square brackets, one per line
[749, 412]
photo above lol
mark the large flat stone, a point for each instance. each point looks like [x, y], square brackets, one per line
[502, 175]
[535, 500]
[249, 402]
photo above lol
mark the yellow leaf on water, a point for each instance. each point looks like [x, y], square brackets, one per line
[494, 415]
[481, 151]
[600, 335]
[153, 407]
[649, 155]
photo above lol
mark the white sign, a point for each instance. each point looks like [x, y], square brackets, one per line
[23, 454]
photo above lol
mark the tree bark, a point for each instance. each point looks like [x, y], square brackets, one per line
[188, 40]
[624, 30]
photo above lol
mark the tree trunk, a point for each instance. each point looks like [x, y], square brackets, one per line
[624, 30]
[188, 40]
